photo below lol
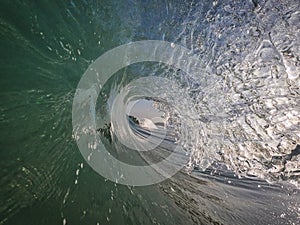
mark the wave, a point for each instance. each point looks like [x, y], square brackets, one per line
[237, 119]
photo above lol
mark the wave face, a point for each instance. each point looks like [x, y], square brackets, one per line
[250, 96]
[238, 118]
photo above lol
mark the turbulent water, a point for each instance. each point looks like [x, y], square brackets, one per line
[238, 117]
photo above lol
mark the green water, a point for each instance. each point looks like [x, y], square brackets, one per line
[45, 47]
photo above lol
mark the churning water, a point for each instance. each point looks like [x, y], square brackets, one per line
[238, 117]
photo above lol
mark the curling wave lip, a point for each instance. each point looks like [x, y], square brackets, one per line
[84, 119]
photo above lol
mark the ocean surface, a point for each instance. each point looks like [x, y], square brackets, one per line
[238, 117]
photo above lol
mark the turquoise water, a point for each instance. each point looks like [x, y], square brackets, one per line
[46, 46]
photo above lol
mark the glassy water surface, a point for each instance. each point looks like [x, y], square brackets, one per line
[240, 115]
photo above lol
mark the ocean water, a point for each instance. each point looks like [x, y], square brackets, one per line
[238, 117]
